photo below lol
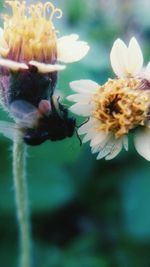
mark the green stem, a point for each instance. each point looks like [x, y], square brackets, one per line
[19, 155]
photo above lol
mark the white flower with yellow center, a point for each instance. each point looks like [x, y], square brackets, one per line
[120, 106]
[29, 38]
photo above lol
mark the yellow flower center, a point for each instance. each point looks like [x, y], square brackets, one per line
[29, 32]
[121, 105]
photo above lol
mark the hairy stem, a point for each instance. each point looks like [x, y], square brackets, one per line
[19, 157]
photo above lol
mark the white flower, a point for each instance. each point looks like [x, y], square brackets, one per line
[117, 107]
[34, 42]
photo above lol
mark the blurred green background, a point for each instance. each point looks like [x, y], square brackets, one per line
[85, 213]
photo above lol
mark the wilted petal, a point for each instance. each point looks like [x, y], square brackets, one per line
[84, 86]
[135, 57]
[46, 68]
[118, 57]
[13, 65]
[142, 143]
[69, 49]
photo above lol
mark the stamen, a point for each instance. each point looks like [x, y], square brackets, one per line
[30, 33]
[121, 106]
[48, 6]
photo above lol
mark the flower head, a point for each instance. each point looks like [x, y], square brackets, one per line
[29, 38]
[31, 52]
[118, 107]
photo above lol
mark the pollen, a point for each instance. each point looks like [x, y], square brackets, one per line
[29, 32]
[121, 105]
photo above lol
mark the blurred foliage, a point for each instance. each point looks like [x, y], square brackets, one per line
[84, 213]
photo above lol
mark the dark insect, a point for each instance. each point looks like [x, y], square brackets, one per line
[31, 86]
[54, 124]
[50, 121]
[38, 113]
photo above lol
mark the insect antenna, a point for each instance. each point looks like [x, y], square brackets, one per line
[76, 131]
[78, 126]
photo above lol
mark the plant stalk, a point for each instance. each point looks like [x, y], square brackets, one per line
[19, 165]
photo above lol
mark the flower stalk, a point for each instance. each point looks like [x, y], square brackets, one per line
[19, 158]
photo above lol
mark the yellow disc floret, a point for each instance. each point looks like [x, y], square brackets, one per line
[29, 32]
[121, 105]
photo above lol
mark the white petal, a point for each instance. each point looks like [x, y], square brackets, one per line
[72, 37]
[142, 143]
[99, 147]
[135, 58]
[105, 148]
[95, 149]
[102, 142]
[84, 128]
[99, 137]
[115, 150]
[82, 98]
[84, 86]
[46, 68]
[87, 126]
[13, 65]
[147, 72]
[118, 57]
[88, 136]
[81, 109]
[69, 49]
